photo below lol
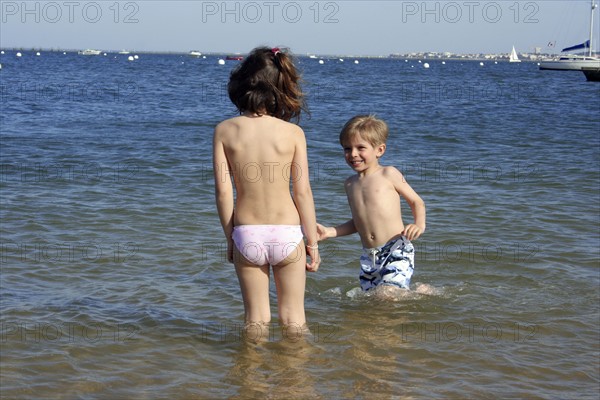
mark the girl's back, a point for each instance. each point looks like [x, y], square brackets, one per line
[263, 154]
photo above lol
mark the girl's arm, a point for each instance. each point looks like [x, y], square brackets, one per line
[223, 189]
[303, 198]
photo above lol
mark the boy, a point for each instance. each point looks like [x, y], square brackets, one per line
[374, 198]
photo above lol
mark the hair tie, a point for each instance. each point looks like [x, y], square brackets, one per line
[275, 50]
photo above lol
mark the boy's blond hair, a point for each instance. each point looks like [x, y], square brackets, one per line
[370, 128]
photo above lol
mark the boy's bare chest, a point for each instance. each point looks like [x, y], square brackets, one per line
[369, 190]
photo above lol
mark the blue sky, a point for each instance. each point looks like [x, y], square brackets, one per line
[321, 27]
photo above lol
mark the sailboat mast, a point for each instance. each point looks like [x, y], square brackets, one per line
[592, 28]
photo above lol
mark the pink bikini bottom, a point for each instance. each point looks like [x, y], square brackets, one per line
[267, 244]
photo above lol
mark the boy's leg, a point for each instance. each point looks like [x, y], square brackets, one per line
[290, 280]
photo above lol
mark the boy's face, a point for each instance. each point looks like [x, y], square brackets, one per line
[361, 155]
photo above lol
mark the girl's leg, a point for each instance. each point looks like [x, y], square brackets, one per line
[290, 280]
[254, 284]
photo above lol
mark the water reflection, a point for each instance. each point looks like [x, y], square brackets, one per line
[281, 369]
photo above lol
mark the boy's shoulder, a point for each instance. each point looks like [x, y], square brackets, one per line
[392, 175]
[390, 171]
[351, 179]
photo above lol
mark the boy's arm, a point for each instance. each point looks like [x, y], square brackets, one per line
[345, 229]
[415, 202]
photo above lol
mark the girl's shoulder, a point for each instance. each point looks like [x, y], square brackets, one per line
[229, 121]
[228, 125]
[280, 125]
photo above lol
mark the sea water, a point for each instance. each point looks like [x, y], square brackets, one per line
[114, 280]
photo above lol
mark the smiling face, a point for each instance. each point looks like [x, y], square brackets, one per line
[361, 155]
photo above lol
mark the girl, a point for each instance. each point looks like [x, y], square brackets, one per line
[263, 153]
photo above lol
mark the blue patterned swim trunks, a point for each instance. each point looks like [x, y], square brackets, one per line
[390, 264]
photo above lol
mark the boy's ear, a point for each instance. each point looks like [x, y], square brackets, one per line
[381, 149]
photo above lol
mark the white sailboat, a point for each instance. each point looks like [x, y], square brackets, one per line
[513, 56]
[576, 62]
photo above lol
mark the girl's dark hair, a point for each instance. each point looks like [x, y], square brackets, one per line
[267, 82]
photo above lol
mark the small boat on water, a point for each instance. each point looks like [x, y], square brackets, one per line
[238, 58]
[571, 63]
[576, 62]
[195, 53]
[90, 52]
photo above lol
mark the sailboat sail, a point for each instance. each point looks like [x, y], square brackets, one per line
[584, 45]
[513, 56]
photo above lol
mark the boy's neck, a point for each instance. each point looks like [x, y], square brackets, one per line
[369, 171]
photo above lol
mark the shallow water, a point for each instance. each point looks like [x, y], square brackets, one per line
[113, 277]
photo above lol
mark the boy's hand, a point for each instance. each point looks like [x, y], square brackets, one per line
[412, 232]
[323, 232]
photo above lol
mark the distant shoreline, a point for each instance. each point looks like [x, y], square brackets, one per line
[430, 56]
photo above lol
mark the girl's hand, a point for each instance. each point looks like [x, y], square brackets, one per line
[315, 258]
[412, 232]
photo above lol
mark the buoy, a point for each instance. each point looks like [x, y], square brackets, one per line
[341, 60]
[481, 63]
[321, 62]
[19, 54]
[355, 61]
[443, 62]
[221, 61]
[2, 52]
[130, 58]
[136, 57]
[426, 65]
[37, 54]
